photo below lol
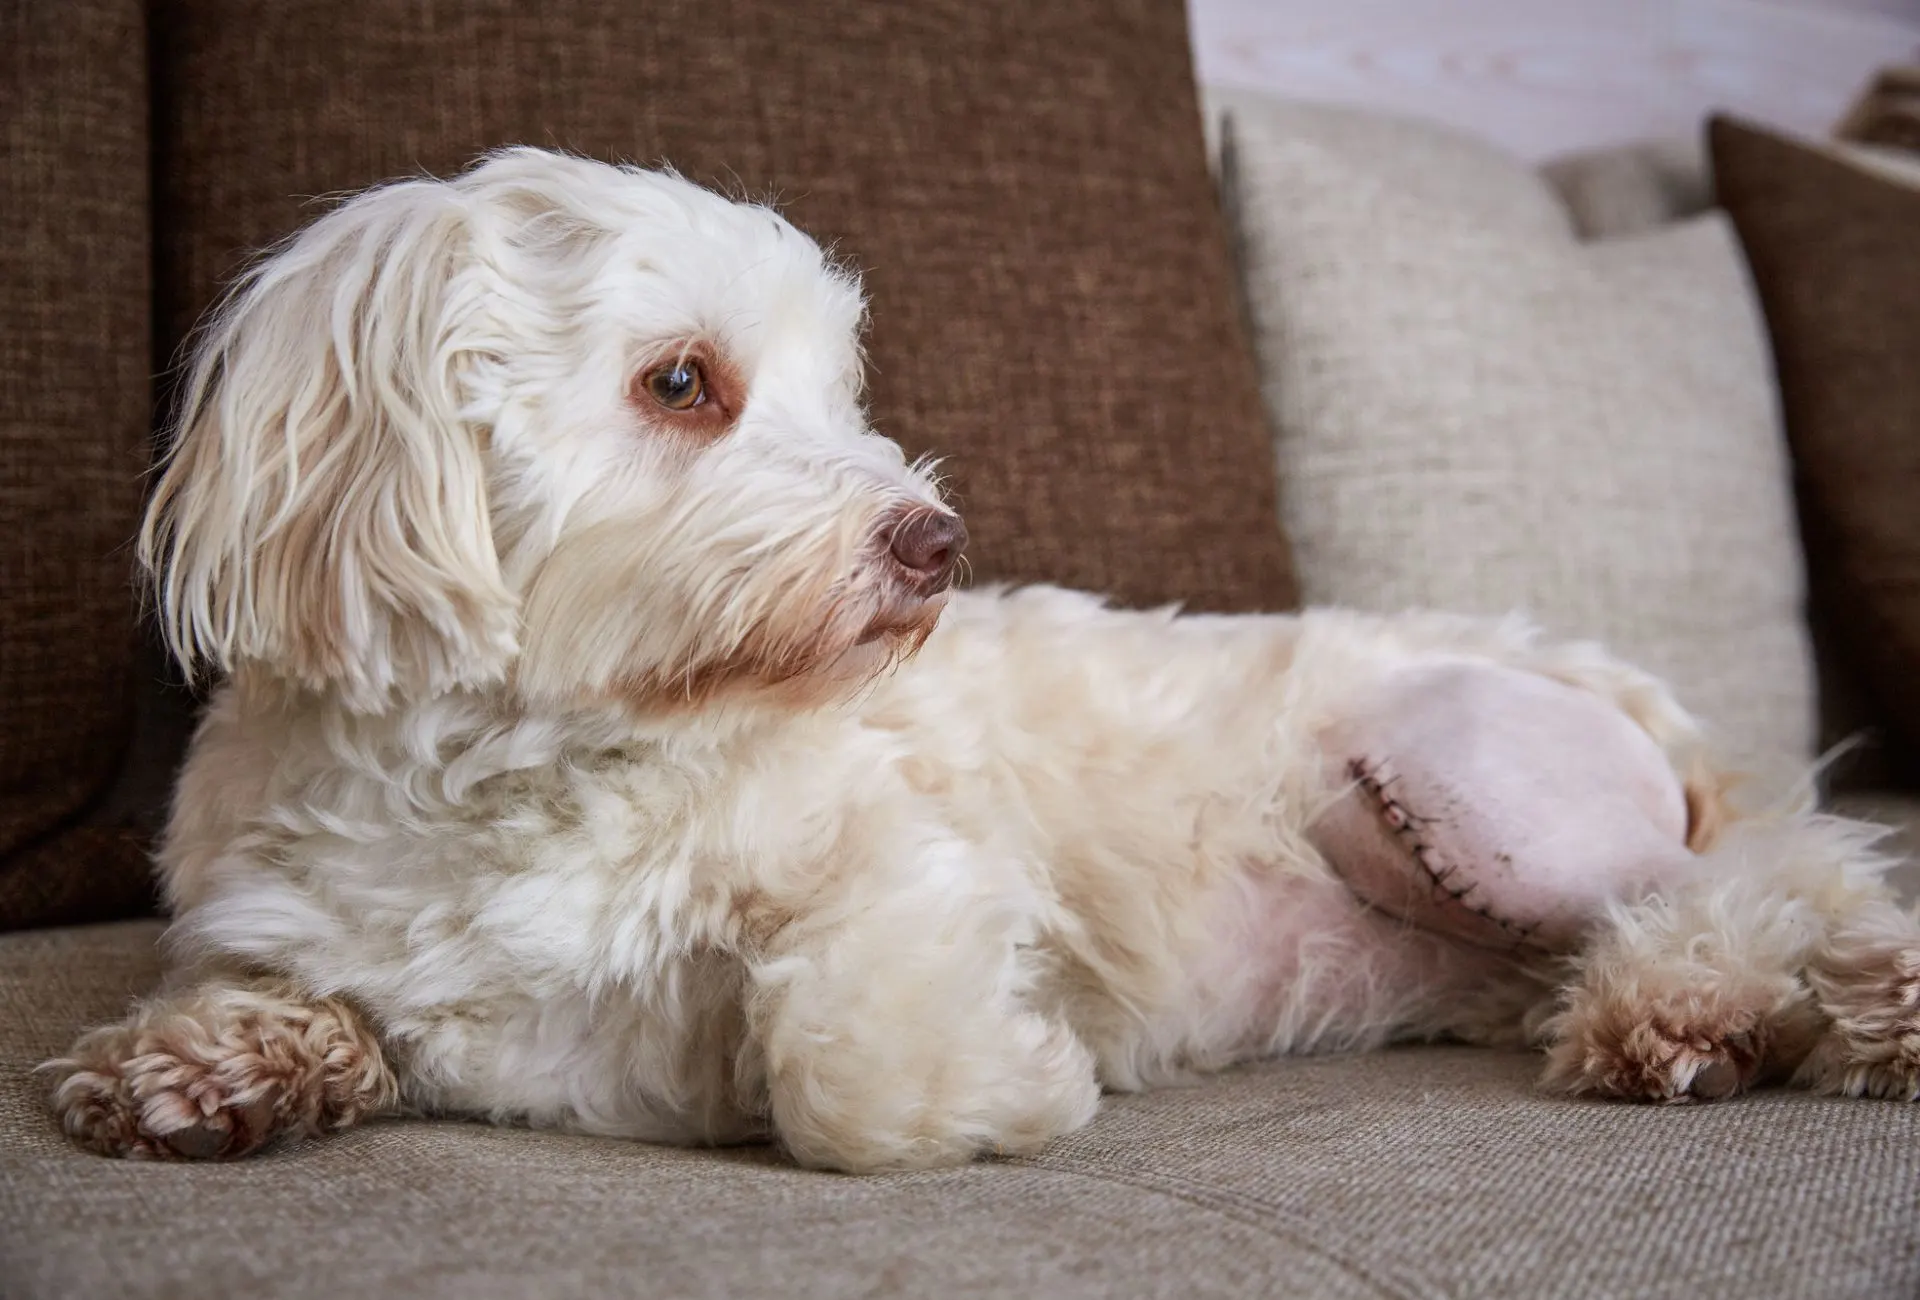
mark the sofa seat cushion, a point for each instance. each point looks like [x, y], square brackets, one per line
[1425, 1171]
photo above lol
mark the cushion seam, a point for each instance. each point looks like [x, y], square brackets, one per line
[1245, 1210]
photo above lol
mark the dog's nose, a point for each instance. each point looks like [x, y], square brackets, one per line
[928, 544]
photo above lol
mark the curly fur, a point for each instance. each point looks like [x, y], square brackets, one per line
[220, 1071]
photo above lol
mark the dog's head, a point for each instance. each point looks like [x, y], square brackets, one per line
[581, 432]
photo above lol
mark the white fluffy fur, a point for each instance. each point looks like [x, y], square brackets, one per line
[592, 761]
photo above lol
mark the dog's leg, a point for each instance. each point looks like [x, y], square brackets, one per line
[894, 1031]
[1498, 805]
[1866, 978]
[1784, 953]
[218, 1070]
[1777, 954]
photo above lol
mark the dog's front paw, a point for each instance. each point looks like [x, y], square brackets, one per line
[939, 1103]
[1872, 1046]
[116, 1099]
[1688, 1041]
[219, 1072]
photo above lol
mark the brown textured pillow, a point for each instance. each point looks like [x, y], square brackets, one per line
[1835, 251]
[74, 403]
[1887, 112]
[1024, 186]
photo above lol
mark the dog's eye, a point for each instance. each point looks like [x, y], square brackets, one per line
[678, 387]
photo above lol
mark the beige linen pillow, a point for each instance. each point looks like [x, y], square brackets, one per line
[1475, 411]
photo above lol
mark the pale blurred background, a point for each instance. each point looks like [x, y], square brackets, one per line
[1546, 77]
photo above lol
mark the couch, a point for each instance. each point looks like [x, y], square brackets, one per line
[1115, 372]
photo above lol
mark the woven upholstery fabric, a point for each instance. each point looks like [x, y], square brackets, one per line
[1476, 411]
[1417, 1173]
[1025, 188]
[1836, 253]
[74, 402]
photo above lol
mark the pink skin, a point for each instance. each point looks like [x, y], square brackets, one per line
[1500, 807]
[1492, 815]
[1303, 964]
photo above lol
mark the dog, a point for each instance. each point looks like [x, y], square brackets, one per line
[601, 743]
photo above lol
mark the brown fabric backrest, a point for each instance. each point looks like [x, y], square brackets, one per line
[1835, 252]
[75, 339]
[1024, 186]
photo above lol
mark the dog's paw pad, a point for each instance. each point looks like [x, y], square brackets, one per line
[227, 1132]
[199, 1141]
[1658, 1055]
[1671, 1062]
[1715, 1080]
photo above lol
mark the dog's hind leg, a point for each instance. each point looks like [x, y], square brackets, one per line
[1784, 954]
[1773, 951]
[1866, 978]
[221, 1069]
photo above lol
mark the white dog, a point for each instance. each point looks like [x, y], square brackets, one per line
[601, 747]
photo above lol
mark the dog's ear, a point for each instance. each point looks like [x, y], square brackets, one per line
[324, 513]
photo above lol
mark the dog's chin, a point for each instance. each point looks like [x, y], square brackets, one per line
[904, 626]
[843, 665]
[893, 635]
[831, 663]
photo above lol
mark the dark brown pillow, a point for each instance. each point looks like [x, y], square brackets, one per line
[1024, 185]
[1887, 112]
[1835, 251]
[75, 342]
